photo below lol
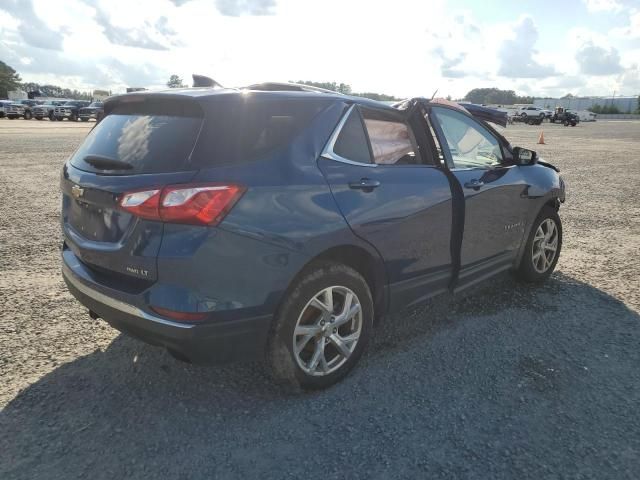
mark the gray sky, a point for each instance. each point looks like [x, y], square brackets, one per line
[402, 47]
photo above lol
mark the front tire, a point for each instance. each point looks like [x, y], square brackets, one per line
[542, 250]
[322, 327]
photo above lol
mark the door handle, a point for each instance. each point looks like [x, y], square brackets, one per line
[365, 184]
[475, 184]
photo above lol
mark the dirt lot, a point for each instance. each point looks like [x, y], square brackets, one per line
[508, 381]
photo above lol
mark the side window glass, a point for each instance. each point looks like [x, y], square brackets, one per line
[392, 140]
[471, 145]
[352, 140]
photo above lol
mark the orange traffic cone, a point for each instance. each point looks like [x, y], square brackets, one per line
[541, 139]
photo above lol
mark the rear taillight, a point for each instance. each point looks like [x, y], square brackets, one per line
[198, 204]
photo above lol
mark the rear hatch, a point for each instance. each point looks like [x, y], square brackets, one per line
[143, 143]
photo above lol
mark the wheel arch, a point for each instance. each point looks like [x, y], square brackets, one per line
[364, 261]
[552, 202]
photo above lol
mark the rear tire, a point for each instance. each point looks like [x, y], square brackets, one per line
[27, 115]
[316, 338]
[542, 250]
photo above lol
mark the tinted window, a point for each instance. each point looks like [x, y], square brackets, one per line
[150, 143]
[470, 144]
[392, 141]
[245, 128]
[352, 140]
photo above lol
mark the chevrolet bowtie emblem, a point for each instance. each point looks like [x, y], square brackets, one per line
[76, 191]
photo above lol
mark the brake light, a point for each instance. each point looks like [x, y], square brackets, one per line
[198, 204]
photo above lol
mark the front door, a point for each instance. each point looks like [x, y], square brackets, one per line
[394, 197]
[494, 204]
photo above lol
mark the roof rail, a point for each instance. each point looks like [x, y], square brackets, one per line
[288, 87]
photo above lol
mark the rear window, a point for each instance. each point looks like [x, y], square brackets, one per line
[150, 143]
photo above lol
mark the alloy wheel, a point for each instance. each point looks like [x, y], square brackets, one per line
[327, 331]
[545, 245]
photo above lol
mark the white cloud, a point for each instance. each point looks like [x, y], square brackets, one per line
[404, 48]
[517, 53]
[32, 29]
[596, 60]
[596, 6]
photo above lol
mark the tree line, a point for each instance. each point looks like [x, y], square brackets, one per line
[10, 80]
[176, 82]
[496, 96]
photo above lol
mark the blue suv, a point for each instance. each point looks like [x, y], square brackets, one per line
[278, 222]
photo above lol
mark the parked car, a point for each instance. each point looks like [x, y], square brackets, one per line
[41, 111]
[230, 224]
[45, 110]
[21, 108]
[547, 113]
[3, 105]
[586, 116]
[93, 111]
[69, 110]
[530, 112]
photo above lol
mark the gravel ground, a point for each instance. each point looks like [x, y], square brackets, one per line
[507, 381]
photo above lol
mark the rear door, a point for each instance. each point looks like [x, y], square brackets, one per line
[393, 196]
[495, 204]
[140, 145]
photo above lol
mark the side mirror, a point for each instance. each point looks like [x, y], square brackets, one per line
[524, 156]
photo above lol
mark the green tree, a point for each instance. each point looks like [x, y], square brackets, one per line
[55, 91]
[175, 82]
[9, 80]
[607, 109]
[495, 96]
[334, 86]
[346, 89]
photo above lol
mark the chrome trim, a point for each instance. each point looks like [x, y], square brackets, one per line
[328, 149]
[114, 303]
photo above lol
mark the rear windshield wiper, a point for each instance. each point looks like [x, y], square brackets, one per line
[107, 163]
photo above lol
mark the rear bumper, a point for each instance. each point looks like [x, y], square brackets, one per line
[206, 343]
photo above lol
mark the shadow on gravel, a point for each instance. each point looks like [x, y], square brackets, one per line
[510, 381]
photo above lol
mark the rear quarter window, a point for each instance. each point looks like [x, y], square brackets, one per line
[239, 129]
